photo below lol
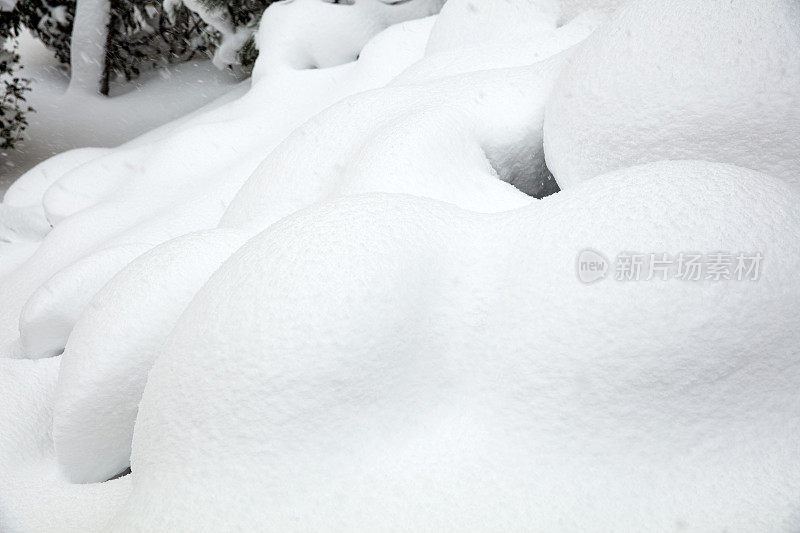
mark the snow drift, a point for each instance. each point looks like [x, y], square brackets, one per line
[137, 208]
[332, 302]
[403, 352]
[113, 345]
[715, 80]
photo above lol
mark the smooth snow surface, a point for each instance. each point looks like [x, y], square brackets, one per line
[469, 130]
[468, 23]
[407, 364]
[572, 8]
[715, 80]
[136, 208]
[104, 367]
[34, 496]
[329, 300]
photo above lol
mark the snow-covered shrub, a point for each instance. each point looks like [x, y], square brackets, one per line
[12, 85]
[235, 23]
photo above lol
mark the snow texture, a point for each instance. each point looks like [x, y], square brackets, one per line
[328, 301]
[135, 208]
[467, 23]
[715, 80]
[447, 368]
[104, 367]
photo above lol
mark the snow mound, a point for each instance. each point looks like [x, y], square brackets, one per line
[104, 373]
[283, 36]
[29, 190]
[458, 130]
[329, 302]
[407, 364]
[496, 51]
[668, 79]
[113, 346]
[111, 209]
[22, 213]
[462, 139]
[51, 311]
[180, 178]
[463, 126]
[467, 23]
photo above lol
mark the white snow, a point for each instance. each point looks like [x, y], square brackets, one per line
[136, 208]
[573, 8]
[468, 130]
[327, 301]
[717, 81]
[311, 34]
[387, 361]
[109, 354]
[464, 57]
[467, 23]
[34, 496]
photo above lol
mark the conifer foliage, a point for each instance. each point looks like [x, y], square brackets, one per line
[235, 23]
[147, 34]
[13, 107]
[152, 33]
[139, 34]
[51, 22]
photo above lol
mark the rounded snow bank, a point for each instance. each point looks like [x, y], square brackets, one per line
[105, 364]
[455, 49]
[310, 34]
[30, 188]
[108, 208]
[391, 362]
[463, 139]
[464, 24]
[716, 80]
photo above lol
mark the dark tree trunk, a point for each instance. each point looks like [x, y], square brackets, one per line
[105, 82]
